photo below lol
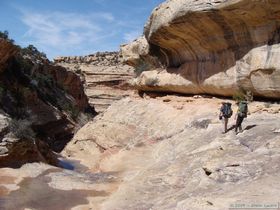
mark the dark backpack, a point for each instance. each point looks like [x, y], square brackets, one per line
[226, 110]
[243, 109]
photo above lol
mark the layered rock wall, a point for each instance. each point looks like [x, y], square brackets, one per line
[215, 47]
[40, 105]
[105, 77]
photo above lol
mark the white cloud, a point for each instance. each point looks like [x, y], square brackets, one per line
[61, 32]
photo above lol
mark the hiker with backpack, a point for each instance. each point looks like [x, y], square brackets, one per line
[240, 115]
[226, 113]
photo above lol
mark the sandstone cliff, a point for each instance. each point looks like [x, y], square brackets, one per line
[40, 106]
[214, 47]
[105, 77]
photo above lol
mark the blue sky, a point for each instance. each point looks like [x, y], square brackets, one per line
[74, 27]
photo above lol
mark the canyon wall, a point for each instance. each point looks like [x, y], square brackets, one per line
[41, 105]
[213, 47]
[105, 77]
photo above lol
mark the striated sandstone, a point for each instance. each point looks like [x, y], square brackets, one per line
[216, 47]
[135, 162]
[183, 162]
[105, 77]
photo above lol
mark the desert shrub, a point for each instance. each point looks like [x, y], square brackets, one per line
[44, 79]
[32, 50]
[21, 129]
[24, 64]
[74, 111]
[77, 69]
[200, 124]
[239, 95]
[151, 81]
[5, 35]
[82, 119]
[243, 95]
[141, 66]
[70, 109]
[1, 91]
[267, 105]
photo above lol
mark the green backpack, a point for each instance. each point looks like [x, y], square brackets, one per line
[243, 109]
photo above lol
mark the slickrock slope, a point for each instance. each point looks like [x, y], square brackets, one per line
[105, 77]
[163, 153]
[214, 47]
[170, 153]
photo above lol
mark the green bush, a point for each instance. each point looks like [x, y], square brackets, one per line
[5, 35]
[151, 81]
[142, 66]
[1, 91]
[32, 52]
[267, 105]
[239, 95]
[69, 108]
[44, 79]
[84, 118]
[243, 95]
[21, 129]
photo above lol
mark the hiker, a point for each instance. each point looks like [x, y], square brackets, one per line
[225, 112]
[240, 115]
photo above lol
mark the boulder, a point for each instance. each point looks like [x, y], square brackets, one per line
[133, 52]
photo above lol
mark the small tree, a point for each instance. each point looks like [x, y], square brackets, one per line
[32, 51]
[5, 35]
[22, 129]
[141, 66]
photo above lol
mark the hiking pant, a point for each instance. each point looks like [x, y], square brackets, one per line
[226, 123]
[238, 123]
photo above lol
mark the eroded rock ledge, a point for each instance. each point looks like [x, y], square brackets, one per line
[105, 76]
[215, 47]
